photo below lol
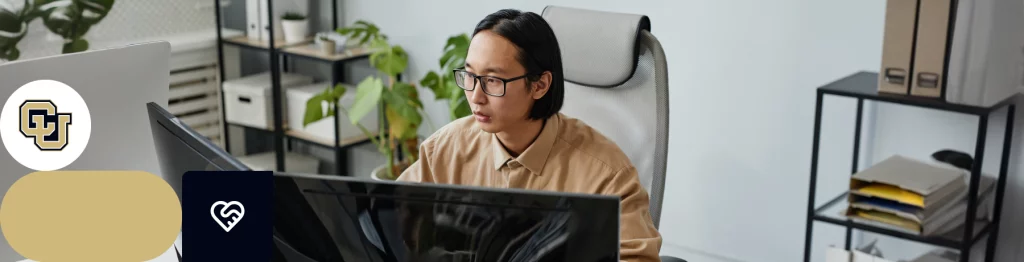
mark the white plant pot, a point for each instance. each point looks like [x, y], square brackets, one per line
[338, 39]
[379, 173]
[295, 30]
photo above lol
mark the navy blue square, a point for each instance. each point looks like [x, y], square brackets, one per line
[212, 202]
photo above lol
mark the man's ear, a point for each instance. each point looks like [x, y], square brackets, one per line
[542, 85]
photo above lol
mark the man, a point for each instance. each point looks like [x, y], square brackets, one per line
[517, 139]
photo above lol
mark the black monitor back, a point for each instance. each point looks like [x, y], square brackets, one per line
[394, 221]
[180, 149]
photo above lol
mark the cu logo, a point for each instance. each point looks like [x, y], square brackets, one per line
[41, 122]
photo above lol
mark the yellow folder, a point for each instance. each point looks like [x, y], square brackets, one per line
[888, 218]
[892, 193]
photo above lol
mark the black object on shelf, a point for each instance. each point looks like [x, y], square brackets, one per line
[863, 86]
[279, 58]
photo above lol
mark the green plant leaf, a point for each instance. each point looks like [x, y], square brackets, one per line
[77, 45]
[403, 113]
[399, 126]
[453, 90]
[338, 92]
[459, 107]
[368, 97]
[455, 52]
[11, 54]
[293, 16]
[314, 109]
[13, 25]
[362, 30]
[433, 82]
[390, 60]
[346, 31]
[72, 19]
[408, 92]
[446, 58]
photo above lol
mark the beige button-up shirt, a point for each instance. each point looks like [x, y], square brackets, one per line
[567, 156]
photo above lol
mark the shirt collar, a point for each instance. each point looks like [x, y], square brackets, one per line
[536, 155]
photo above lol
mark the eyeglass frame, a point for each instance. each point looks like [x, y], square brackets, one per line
[476, 79]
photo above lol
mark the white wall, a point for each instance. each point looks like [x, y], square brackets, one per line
[742, 77]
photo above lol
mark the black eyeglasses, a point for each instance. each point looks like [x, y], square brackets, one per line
[492, 85]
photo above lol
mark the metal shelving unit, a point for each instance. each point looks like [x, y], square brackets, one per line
[863, 86]
[280, 55]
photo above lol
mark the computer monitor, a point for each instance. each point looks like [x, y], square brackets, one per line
[180, 149]
[334, 218]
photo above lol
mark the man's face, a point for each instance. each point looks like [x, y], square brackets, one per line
[492, 55]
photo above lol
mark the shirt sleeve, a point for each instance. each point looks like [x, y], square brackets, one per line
[639, 239]
[419, 171]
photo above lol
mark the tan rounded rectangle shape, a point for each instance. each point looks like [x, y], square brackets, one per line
[90, 216]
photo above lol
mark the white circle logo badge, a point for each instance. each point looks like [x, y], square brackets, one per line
[45, 125]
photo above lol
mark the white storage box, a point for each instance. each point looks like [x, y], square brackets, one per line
[293, 163]
[248, 100]
[324, 129]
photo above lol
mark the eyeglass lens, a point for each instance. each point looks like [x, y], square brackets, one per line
[491, 85]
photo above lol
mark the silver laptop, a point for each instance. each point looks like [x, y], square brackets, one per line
[116, 84]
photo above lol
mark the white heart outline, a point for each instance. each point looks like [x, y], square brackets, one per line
[231, 224]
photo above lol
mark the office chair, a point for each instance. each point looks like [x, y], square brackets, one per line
[616, 81]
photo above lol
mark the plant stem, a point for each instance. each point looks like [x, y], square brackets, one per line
[391, 159]
[362, 128]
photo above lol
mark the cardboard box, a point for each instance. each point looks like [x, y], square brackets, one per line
[324, 128]
[248, 100]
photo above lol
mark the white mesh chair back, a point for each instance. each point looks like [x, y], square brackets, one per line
[616, 82]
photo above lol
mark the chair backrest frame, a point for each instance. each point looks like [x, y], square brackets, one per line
[636, 102]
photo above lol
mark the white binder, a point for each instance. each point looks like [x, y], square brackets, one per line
[265, 21]
[252, 19]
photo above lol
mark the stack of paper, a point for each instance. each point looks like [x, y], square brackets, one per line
[913, 196]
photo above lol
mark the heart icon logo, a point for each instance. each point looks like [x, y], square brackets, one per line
[229, 214]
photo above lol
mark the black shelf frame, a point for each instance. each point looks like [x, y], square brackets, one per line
[279, 61]
[863, 86]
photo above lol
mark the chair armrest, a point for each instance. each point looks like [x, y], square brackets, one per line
[671, 259]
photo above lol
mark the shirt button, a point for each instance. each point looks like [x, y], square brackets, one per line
[513, 163]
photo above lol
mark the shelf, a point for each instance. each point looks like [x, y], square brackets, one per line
[312, 51]
[309, 138]
[865, 85]
[268, 130]
[832, 211]
[244, 41]
[296, 134]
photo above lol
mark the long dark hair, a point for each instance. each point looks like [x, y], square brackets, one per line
[538, 52]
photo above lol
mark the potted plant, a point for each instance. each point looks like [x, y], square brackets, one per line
[396, 137]
[327, 45]
[295, 27]
[403, 110]
[443, 83]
